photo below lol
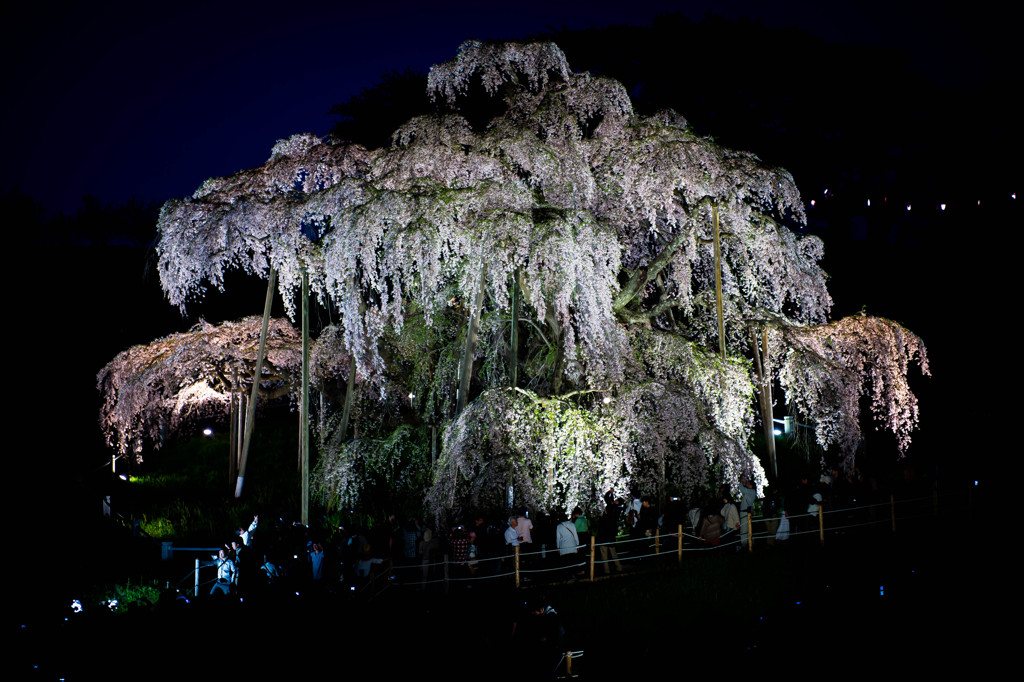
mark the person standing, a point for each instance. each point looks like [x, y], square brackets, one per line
[582, 526]
[748, 496]
[568, 542]
[225, 573]
[607, 531]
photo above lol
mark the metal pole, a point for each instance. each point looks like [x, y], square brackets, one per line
[196, 589]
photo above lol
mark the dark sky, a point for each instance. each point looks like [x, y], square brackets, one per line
[150, 99]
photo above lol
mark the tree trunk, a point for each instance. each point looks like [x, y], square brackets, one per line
[469, 349]
[764, 394]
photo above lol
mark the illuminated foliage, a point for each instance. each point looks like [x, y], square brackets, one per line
[174, 382]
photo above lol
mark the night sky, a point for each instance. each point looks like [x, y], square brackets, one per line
[150, 99]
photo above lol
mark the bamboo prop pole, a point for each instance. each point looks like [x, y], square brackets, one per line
[593, 550]
[250, 417]
[232, 433]
[514, 340]
[718, 283]
[657, 540]
[679, 550]
[750, 533]
[304, 429]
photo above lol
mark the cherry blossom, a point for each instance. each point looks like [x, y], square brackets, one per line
[603, 220]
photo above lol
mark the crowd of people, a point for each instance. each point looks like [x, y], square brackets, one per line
[413, 550]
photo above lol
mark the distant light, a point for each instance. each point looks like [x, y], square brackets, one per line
[825, 192]
[777, 432]
[76, 606]
[979, 202]
[869, 202]
[207, 431]
[881, 590]
[908, 207]
[112, 605]
[812, 202]
[123, 477]
[1013, 195]
[975, 483]
[942, 206]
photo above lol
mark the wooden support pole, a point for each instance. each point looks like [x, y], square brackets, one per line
[514, 340]
[657, 540]
[593, 551]
[679, 551]
[718, 283]
[250, 417]
[304, 407]
[516, 561]
[750, 533]
[232, 433]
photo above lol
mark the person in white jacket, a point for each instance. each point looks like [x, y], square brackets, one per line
[568, 541]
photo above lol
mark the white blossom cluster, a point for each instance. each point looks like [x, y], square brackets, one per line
[827, 369]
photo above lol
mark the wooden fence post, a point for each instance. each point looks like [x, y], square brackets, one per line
[821, 525]
[516, 551]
